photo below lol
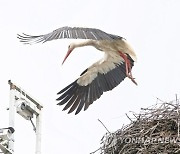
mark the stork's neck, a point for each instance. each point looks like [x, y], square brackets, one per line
[84, 43]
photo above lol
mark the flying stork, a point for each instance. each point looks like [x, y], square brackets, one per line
[102, 76]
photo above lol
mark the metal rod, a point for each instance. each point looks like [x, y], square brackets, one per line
[34, 127]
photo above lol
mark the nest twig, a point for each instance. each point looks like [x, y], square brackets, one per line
[154, 130]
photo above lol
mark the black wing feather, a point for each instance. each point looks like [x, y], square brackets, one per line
[83, 96]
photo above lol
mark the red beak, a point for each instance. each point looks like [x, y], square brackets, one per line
[68, 53]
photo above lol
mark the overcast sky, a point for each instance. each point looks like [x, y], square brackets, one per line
[151, 27]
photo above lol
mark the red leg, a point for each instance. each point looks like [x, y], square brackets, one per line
[128, 67]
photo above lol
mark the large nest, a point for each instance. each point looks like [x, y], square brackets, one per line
[155, 129]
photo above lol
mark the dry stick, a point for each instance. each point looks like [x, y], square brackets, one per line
[178, 114]
[178, 120]
[129, 117]
[104, 126]
[95, 151]
[103, 136]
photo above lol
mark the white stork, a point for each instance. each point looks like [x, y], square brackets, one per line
[102, 76]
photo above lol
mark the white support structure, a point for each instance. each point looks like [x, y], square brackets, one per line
[38, 134]
[27, 107]
[11, 117]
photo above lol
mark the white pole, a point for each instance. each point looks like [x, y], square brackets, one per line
[38, 133]
[11, 116]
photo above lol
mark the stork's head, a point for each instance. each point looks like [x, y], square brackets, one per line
[70, 49]
[72, 46]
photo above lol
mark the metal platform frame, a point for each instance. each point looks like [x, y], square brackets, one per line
[22, 103]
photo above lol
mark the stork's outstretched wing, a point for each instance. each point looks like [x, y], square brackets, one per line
[95, 80]
[70, 33]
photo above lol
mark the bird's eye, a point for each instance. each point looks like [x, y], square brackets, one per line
[69, 47]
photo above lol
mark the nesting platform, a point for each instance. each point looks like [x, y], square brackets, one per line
[155, 129]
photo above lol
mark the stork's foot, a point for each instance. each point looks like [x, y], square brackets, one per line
[128, 67]
[132, 79]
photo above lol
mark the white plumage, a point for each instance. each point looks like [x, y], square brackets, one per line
[100, 77]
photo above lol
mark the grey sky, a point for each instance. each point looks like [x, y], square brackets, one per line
[151, 27]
